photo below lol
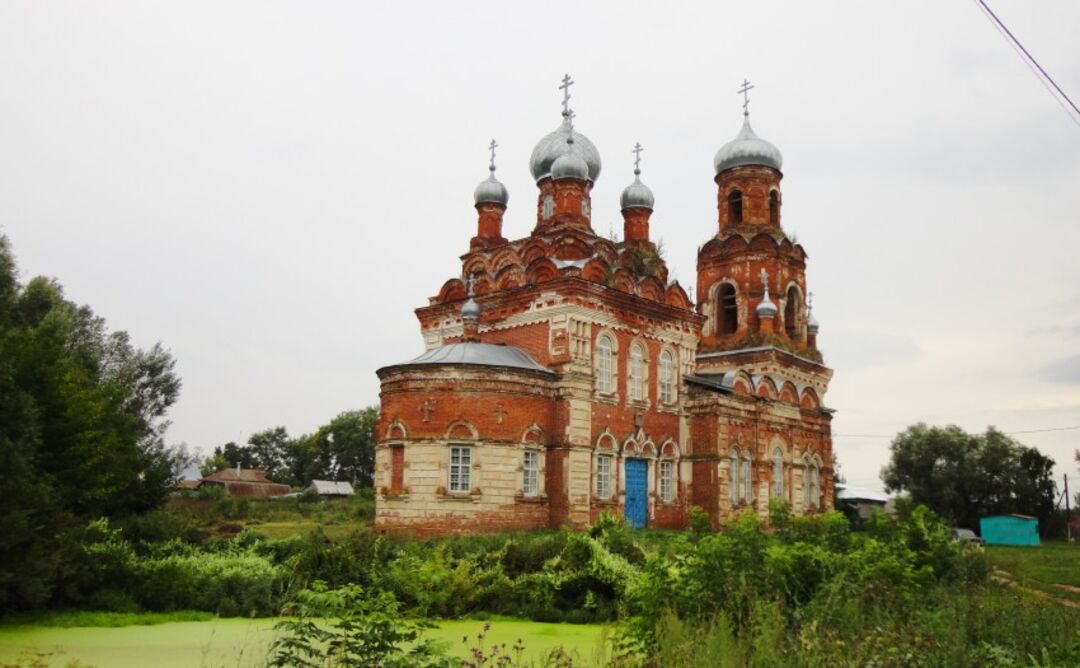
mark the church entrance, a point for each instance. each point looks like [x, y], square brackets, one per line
[637, 492]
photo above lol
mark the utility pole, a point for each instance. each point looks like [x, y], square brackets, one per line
[1068, 525]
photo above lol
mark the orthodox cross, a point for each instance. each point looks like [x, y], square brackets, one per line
[471, 283]
[492, 148]
[427, 408]
[765, 279]
[565, 88]
[637, 157]
[810, 301]
[745, 90]
[499, 413]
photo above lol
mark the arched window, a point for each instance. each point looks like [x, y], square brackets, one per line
[791, 312]
[727, 310]
[736, 488]
[605, 368]
[637, 373]
[774, 208]
[734, 204]
[815, 486]
[667, 480]
[667, 377]
[807, 481]
[747, 479]
[778, 473]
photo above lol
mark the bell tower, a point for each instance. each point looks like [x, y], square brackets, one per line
[751, 276]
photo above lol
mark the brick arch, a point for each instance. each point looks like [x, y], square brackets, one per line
[651, 288]
[742, 384]
[571, 248]
[452, 290]
[606, 441]
[477, 264]
[677, 297]
[809, 398]
[623, 281]
[670, 449]
[605, 250]
[789, 394]
[505, 258]
[483, 285]
[596, 270]
[461, 429]
[533, 434]
[532, 251]
[509, 276]
[541, 271]
[766, 388]
[397, 431]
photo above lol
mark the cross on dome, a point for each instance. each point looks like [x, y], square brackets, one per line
[565, 88]
[492, 148]
[470, 282]
[745, 90]
[765, 279]
[637, 158]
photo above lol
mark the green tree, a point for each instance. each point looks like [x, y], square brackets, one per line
[82, 423]
[352, 445]
[967, 476]
[268, 449]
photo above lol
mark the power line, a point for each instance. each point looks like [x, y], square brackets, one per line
[1032, 64]
[1007, 433]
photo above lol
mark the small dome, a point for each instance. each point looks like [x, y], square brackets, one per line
[637, 196]
[767, 309]
[570, 165]
[470, 310]
[811, 323]
[747, 149]
[553, 145]
[491, 191]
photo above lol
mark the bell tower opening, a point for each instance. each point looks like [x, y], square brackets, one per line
[791, 311]
[734, 202]
[728, 311]
[774, 208]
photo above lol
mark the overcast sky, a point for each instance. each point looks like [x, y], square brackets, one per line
[271, 188]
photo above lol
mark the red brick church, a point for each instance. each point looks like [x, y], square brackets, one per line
[565, 376]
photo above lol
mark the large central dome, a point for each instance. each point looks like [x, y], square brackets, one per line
[747, 149]
[554, 144]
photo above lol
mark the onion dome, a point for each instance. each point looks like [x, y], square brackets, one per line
[491, 190]
[811, 322]
[570, 165]
[470, 310]
[747, 149]
[553, 146]
[637, 195]
[767, 309]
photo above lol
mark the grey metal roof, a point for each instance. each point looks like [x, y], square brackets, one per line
[482, 354]
[860, 494]
[553, 144]
[332, 487]
[747, 149]
[723, 381]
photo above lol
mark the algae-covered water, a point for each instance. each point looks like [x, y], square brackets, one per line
[244, 642]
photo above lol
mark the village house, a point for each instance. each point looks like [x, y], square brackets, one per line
[566, 376]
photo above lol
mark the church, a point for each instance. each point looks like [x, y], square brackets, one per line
[565, 376]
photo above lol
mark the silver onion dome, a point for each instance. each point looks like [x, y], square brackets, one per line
[747, 149]
[470, 310]
[811, 323]
[570, 165]
[491, 191]
[553, 145]
[767, 309]
[637, 195]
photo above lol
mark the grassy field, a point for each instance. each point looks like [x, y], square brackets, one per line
[1042, 567]
[243, 642]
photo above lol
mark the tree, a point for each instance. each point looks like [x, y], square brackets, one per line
[268, 449]
[351, 437]
[82, 423]
[967, 476]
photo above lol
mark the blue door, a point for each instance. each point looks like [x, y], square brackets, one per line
[637, 492]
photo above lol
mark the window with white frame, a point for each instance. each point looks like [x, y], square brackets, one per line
[530, 466]
[747, 479]
[808, 478]
[667, 480]
[667, 377]
[605, 367]
[815, 486]
[603, 475]
[778, 473]
[736, 488]
[460, 468]
[637, 373]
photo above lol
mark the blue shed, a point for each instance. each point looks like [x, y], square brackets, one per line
[1009, 530]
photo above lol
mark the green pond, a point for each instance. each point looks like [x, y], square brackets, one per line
[244, 642]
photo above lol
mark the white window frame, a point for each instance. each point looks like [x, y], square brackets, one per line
[807, 482]
[667, 480]
[530, 473]
[736, 488]
[636, 372]
[666, 390]
[549, 206]
[748, 478]
[815, 487]
[604, 465]
[778, 473]
[459, 473]
[605, 364]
